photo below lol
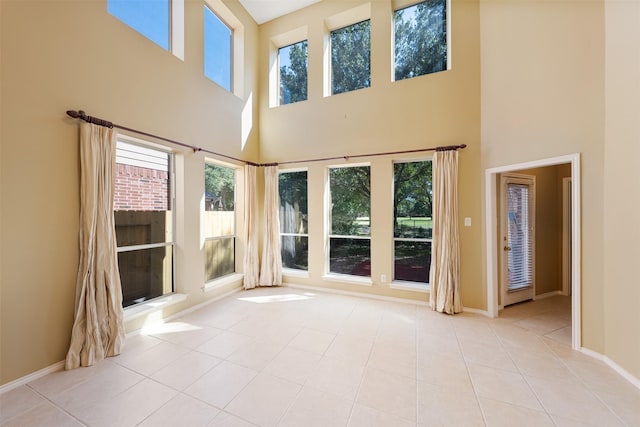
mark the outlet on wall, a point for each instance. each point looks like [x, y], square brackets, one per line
[383, 278]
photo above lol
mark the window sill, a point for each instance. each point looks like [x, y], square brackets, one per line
[349, 279]
[150, 306]
[410, 286]
[222, 281]
[291, 272]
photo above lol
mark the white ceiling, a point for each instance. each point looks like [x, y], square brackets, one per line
[266, 10]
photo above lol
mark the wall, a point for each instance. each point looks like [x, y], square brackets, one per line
[57, 56]
[622, 177]
[427, 111]
[543, 96]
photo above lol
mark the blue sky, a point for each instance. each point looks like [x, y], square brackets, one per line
[148, 17]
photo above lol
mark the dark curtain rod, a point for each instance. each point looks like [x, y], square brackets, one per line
[100, 122]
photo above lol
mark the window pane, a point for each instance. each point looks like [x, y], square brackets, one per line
[292, 187]
[295, 252]
[351, 58]
[420, 39]
[148, 17]
[145, 274]
[350, 201]
[219, 258]
[217, 49]
[350, 256]
[293, 72]
[219, 184]
[142, 200]
[412, 200]
[412, 261]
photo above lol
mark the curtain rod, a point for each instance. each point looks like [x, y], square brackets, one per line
[100, 122]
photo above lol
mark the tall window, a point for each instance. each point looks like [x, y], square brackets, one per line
[143, 211]
[412, 221]
[218, 40]
[293, 72]
[351, 57]
[350, 222]
[219, 221]
[149, 18]
[294, 234]
[420, 39]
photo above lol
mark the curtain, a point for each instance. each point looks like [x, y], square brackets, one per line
[444, 277]
[271, 265]
[251, 266]
[98, 326]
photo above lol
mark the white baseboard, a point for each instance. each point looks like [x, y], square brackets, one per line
[59, 366]
[613, 365]
[476, 311]
[547, 295]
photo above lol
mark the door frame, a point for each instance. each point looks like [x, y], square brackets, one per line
[529, 180]
[491, 238]
[566, 236]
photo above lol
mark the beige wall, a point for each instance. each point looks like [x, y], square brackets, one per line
[60, 55]
[427, 111]
[622, 178]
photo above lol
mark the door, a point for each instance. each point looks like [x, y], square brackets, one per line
[518, 238]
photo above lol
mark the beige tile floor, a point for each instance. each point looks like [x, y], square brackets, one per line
[291, 357]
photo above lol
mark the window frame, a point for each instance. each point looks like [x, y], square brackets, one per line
[330, 275]
[404, 4]
[172, 200]
[228, 18]
[397, 283]
[341, 20]
[209, 282]
[276, 43]
[287, 270]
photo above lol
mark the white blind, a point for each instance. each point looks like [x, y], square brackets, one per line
[519, 237]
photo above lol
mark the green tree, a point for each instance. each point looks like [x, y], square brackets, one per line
[219, 185]
[293, 76]
[351, 57]
[350, 200]
[412, 197]
[420, 39]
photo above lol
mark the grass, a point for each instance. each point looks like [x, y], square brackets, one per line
[420, 222]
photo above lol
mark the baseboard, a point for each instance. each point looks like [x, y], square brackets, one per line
[476, 311]
[59, 366]
[547, 295]
[358, 294]
[613, 365]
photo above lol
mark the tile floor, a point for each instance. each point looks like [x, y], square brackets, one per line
[291, 357]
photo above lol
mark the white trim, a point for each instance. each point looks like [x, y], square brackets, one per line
[410, 286]
[547, 295]
[156, 304]
[359, 294]
[176, 43]
[348, 279]
[613, 365]
[222, 281]
[292, 272]
[476, 311]
[566, 236]
[491, 236]
[56, 367]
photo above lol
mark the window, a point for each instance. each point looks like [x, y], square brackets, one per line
[294, 234]
[149, 18]
[420, 39]
[293, 72]
[219, 221]
[350, 221]
[412, 221]
[351, 57]
[218, 43]
[143, 212]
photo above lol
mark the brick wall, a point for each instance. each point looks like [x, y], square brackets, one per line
[141, 189]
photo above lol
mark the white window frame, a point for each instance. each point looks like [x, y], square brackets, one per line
[237, 46]
[227, 278]
[172, 188]
[296, 271]
[336, 22]
[276, 43]
[406, 284]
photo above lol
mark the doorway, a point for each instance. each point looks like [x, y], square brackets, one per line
[494, 242]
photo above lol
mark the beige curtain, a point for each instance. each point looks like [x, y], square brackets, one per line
[98, 327]
[271, 265]
[251, 266]
[444, 277]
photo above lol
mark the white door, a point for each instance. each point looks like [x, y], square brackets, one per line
[518, 238]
